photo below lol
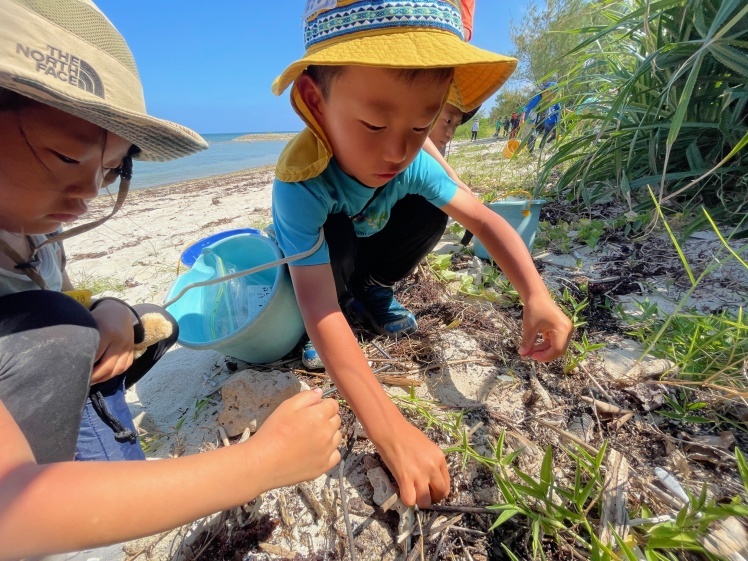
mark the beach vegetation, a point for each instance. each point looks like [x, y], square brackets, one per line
[656, 97]
[98, 285]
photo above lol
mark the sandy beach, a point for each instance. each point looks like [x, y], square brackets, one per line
[136, 253]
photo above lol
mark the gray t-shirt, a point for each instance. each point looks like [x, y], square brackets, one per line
[50, 269]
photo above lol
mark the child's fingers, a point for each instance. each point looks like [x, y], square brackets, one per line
[423, 494]
[408, 492]
[304, 399]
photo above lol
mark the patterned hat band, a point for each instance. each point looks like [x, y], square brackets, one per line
[367, 15]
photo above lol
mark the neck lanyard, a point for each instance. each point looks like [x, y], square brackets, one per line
[360, 215]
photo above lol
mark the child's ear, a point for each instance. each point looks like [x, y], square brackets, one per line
[312, 96]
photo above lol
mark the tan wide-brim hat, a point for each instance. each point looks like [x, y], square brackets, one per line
[399, 34]
[67, 54]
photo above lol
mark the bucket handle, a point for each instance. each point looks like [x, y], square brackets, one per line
[252, 271]
[526, 210]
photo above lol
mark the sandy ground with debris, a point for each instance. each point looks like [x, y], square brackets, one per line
[136, 254]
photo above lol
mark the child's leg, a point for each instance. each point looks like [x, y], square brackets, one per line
[107, 431]
[47, 346]
[342, 245]
[414, 228]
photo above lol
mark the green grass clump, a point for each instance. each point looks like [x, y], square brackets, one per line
[659, 98]
[98, 284]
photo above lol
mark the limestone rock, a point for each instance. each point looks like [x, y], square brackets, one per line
[249, 397]
[625, 365]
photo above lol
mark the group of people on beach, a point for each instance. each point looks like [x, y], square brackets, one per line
[367, 172]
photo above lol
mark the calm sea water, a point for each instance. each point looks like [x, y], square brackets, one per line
[222, 156]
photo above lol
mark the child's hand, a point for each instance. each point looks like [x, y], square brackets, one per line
[418, 465]
[543, 316]
[116, 340]
[299, 441]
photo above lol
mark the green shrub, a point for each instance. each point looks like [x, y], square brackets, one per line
[659, 98]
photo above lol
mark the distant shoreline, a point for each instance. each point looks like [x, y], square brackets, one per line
[190, 185]
[265, 137]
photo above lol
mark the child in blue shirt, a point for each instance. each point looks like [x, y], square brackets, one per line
[369, 94]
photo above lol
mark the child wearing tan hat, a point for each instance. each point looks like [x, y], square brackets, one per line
[71, 118]
[375, 75]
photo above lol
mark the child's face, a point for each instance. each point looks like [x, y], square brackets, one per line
[51, 165]
[377, 122]
[445, 126]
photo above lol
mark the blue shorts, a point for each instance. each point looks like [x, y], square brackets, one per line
[107, 431]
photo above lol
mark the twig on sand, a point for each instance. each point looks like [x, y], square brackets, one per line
[385, 379]
[381, 350]
[601, 389]
[135, 555]
[539, 390]
[463, 509]
[604, 407]
[344, 497]
[312, 500]
[614, 517]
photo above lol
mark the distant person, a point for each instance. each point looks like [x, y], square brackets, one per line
[474, 129]
[357, 182]
[498, 127]
[506, 125]
[514, 121]
[65, 132]
[541, 116]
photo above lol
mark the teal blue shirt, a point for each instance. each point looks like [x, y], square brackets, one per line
[301, 209]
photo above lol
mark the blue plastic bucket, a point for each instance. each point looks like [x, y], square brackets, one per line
[511, 210]
[190, 255]
[254, 318]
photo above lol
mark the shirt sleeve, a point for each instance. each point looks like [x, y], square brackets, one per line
[532, 104]
[431, 181]
[298, 217]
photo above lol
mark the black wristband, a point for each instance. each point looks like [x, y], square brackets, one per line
[137, 326]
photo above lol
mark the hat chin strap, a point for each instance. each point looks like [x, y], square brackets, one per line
[124, 172]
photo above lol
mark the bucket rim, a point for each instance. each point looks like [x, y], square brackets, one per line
[521, 202]
[273, 291]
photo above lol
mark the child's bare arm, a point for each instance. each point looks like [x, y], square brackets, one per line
[541, 314]
[99, 503]
[416, 462]
[430, 148]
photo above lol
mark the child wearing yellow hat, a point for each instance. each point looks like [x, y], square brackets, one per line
[71, 117]
[374, 78]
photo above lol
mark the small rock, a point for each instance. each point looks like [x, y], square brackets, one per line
[582, 427]
[622, 364]
[249, 397]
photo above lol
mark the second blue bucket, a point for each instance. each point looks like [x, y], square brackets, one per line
[254, 318]
[515, 212]
[190, 255]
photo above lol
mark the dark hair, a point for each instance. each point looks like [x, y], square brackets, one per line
[324, 75]
[469, 115]
[11, 100]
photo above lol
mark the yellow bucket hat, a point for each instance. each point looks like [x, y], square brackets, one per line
[67, 54]
[391, 34]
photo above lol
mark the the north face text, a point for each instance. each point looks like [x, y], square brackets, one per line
[65, 67]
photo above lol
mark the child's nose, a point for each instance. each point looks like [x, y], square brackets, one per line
[396, 150]
[87, 184]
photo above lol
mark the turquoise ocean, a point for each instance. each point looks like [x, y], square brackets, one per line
[222, 156]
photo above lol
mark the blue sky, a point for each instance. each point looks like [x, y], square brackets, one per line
[209, 65]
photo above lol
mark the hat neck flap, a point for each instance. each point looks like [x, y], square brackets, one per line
[309, 152]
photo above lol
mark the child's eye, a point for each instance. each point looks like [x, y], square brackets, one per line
[372, 127]
[65, 159]
[421, 129]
